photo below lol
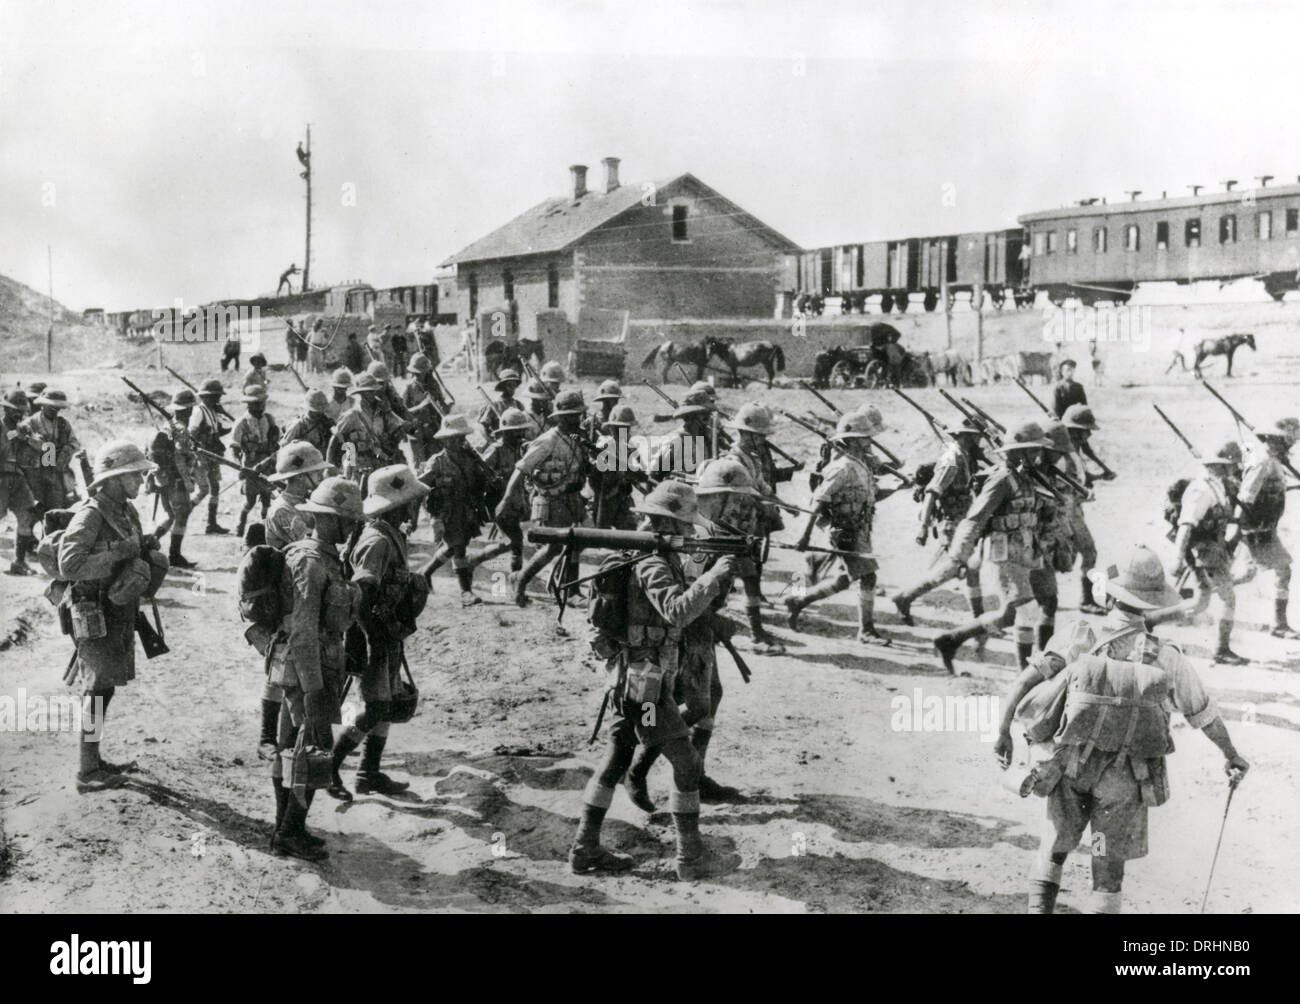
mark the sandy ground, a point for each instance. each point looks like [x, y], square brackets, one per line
[845, 811]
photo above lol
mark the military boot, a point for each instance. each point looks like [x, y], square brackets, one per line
[1042, 896]
[795, 605]
[1281, 629]
[243, 521]
[213, 525]
[867, 633]
[1224, 655]
[587, 855]
[465, 578]
[267, 742]
[694, 859]
[370, 779]
[22, 547]
[439, 559]
[1087, 605]
[349, 739]
[762, 641]
[948, 643]
[291, 840]
[92, 776]
[636, 780]
[710, 790]
[174, 556]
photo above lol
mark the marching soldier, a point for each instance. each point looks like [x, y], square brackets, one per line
[539, 409]
[340, 384]
[426, 405]
[1078, 425]
[686, 450]
[381, 372]
[257, 376]
[457, 480]
[206, 430]
[35, 390]
[51, 479]
[1100, 777]
[643, 665]
[502, 456]
[948, 497]
[314, 426]
[612, 489]
[108, 563]
[378, 563]
[607, 396]
[553, 376]
[1204, 514]
[1262, 498]
[1081, 422]
[368, 435]
[845, 501]
[554, 467]
[174, 459]
[16, 459]
[307, 658]
[752, 425]
[299, 468]
[508, 381]
[1004, 518]
[254, 441]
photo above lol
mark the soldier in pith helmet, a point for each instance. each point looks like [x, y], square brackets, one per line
[17, 457]
[314, 426]
[206, 430]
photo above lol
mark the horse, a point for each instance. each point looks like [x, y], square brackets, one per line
[746, 354]
[498, 355]
[952, 364]
[671, 353]
[1224, 346]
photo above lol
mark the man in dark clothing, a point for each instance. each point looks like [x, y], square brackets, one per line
[1066, 391]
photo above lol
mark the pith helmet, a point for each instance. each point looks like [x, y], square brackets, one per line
[452, 426]
[704, 387]
[1142, 584]
[36, 387]
[182, 399]
[316, 400]
[1025, 436]
[379, 371]
[674, 499]
[693, 403]
[1278, 430]
[342, 377]
[367, 383]
[297, 458]
[569, 402]
[552, 372]
[121, 456]
[253, 392]
[1059, 436]
[1079, 416]
[963, 428]
[621, 415]
[336, 496]
[507, 376]
[512, 418]
[724, 475]
[16, 400]
[535, 391]
[858, 425]
[391, 487]
[754, 418]
[1226, 455]
[420, 363]
[257, 359]
[609, 391]
[53, 398]
[212, 388]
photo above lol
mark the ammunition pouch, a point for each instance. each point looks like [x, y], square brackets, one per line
[644, 682]
[158, 565]
[130, 583]
[87, 619]
[306, 768]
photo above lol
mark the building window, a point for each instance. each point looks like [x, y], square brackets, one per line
[552, 286]
[1132, 237]
[1072, 241]
[1162, 235]
[1264, 226]
[1292, 220]
[1051, 242]
[1040, 244]
[473, 295]
[1228, 229]
[508, 284]
[1099, 240]
[679, 223]
[1192, 232]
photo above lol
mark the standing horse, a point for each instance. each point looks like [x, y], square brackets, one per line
[1225, 346]
[746, 354]
[671, 353]
[953, 365]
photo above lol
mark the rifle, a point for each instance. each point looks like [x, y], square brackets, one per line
[1034, 397]
[935, 427]
[989, 419]
[1241, 420]
[534, 375]
[745, 672]
[821, 397]
[442, 386]
[992, 430]
[218, 408]
[298, 376]
[842, 451]
[154, 406]
[152, 639]
[248, 472]
[496, 410]
[724, 440]
[1177, 432]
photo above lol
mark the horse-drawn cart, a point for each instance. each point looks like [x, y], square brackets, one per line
[887, 365]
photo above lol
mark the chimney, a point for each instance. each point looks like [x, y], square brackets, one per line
[1196, 190]
[1133, 194]
[1227, 185]
[611, 173]
[1263, 179]
[579, 174]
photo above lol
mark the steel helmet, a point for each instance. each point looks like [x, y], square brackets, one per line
[212, 388]
[253, 392]
[121, 456]
[1227, 455]
[1059, 436]
[1079, 416]
[693, 403]
[609, 390]
[536, 391]
[367, 383]
[621, 415]
[1291, 426]
[391, 487]
[552, 372]
[257, 359]
[337, 497]
[16, 400]
[296, 458]
[420, 363]
[704, 387]
[507, 376]
[53, 398]
[724, 475]
[379, 371]
[511, 419]
[182, 399]
[754, 418]
[342, 377]
[569, 402]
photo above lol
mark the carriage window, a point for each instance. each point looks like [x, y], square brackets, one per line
[1040, 243]
[1228, 229]
[508, 284]
[552, 286]
[1292, 220]
[1162, 235]
[1051, 242]
[1099, 240]
[1264, 226]
[1132, 237]
[473, 295]
[1192, 232]
[679, 223]
[1072, 242]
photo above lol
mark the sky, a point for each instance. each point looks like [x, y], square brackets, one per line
[151, 145]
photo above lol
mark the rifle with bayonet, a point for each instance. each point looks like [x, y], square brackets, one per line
[1241, 420]
[935, 427]
[895, 469]
[249, 472]
[442, 386]
[823, 399]
[494, 405]
[1177, 431]
[534, 375]
[1034, 397]
[218, 408]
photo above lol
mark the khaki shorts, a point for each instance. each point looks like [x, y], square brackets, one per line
[1111, 807]
[1268, 551]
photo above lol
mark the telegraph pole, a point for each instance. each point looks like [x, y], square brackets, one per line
[306, 265]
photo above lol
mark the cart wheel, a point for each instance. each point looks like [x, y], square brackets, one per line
[886, 302]
[841, 374]
[875, 375]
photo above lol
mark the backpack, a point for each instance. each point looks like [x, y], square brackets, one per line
[53, 523]
[260, 571]
[1174, 504]
[607, 610]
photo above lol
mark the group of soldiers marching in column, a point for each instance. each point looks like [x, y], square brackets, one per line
[344, 597]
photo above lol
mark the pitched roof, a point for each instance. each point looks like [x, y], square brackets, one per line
[558, 223]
